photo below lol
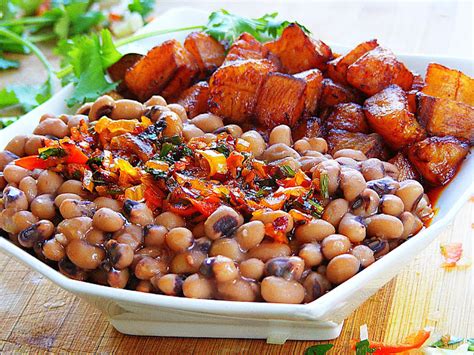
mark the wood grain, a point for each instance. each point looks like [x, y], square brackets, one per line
[37, 316]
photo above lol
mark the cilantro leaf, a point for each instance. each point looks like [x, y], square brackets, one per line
[363, 348]
[143, 7]
[27, 96]
[52, 152]
[8, 63]
[319, 349]
[6, 121]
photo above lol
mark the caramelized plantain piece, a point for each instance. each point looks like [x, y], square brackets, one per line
[418, 82]
[281, 100]
[437, 158]
[151, 74]
[347, 116]
[314, 86]
[307, 127]
[388, 115]
[334, 93]
[376, 70]
[246, 47]
[234, 88]
[117, 70]
[208, 52]
[370, 144]
[337, 68]
[195, 99]
[447, 83]
[406, 170]
[445, 117]
[298, 52]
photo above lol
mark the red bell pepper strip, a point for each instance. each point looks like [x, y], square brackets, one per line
[206, 206]
[74, 155]
[411, 342]
[35, 162]
[179, 208]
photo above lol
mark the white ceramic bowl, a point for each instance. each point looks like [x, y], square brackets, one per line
[132, 312]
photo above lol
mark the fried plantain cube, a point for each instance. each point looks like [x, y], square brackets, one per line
[370, 144]
[307, 127]
[347, 116]
[298, 52]
[208, 52]
[314, 86]
[234, 88]
[406, 170]
[376, 70]
[246, 47]
[281, 100]
[337, 68]
[447, 83]
[195, 99]
[437, 158]
[166, 64]
[333, 93]
[418, 82]
[388, 115]
[445, 117]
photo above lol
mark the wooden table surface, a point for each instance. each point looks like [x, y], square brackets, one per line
[38, 316]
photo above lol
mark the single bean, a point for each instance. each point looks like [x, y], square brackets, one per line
[120, 255]
[23, 219]
[187, 262]
[71, 270]
[144, 286]
[108, 220]
[227, 247]
[250, 234]
[43, 207]
[53, 250]
[75, 228]
[138, 212]
[154, 112]
[14, 199]
[49, 182]
[17, 145]
[148, 267]
[278, 290]
[372, 169]
[366, 204]
[334, 245]
[6, 157]
[314, 231]
[222, 222]
[103, 106]
[364, 254]
[170, 284]
[349, 163]
[301, 146]
[173, 124]
[232, 129]
[238, 290]
[220, 267]
[13, 174]
[60, 198]
[392, 205]
[6, 221]
[84, 255]
[289, 268]
[350, 153]
[169, 220]
[108, 202]
[353, 227]
[197, 286]
[257, 143]
[95, 237]
[75, 121]
[127, 110]
[318, 144]
[311, 254]
[334, 211]
[71, 208]
[154, 236]
[383, 186]
[72, 187]
[280, 134]
[156, 100]
[332, 170]
[252, 268]
[384, 226]
[180, 111]
[410, 192]
[118, 278]
[84, 109]
[191, 131]
[37, 232]
[352, 184]
[315, 285]
[33, 144]
[179, 239]
[267, 250]
[279, 151]
[52, 127]
[342, 267]
[411, 224]
[208, 122]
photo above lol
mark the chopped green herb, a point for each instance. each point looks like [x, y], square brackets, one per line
[165, 149]
[143, 7]
[324, 185]
[157, 174]
[94, 161]
[363, 348]
[52, 152]
[114, 191]
[319, 349]
[287, 171]
[222, 148]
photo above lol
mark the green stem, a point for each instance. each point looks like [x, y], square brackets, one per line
[42, 37]
[26, 21]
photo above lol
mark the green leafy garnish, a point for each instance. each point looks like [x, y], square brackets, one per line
[52, 152]
[324, 185]
[319, 349]
[6, 121]
[143, 7]
[8, 63]
[222, 148]
[446, 340]
[157, 174]
[470, 341]
[287, 171]
[363, 348]
[165, 149]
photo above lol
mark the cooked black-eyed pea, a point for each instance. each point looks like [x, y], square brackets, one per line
[179, 239]
[43, 206]
[95, 237]
[75, 121]
[156, 100]
[84, 109]
[314, 231]
[191, 131]
[52, 127]
[352, 184]
[372, 169]
[411, 224]
[278, 217]
[341, 268]
[130, 234]
[37, 232]
[108, 202]
[279, 151]
[23, 219]
[383, 186]
[301, 146]
[103, 106]
[278, 290]
[232, 129]
[315, 285]
[391, 170]
[348, 163]
[13, 174]
[332, 170]
[311, 254]
[71, 208]
[252, 268]
[222, 223]
[75, 228]
[17, 145]
[84, 255]
[180, 111]
[367, 204]
[28, 186]
[72, 187]
[384, 226]
[268, 250]
[411, 192]
[118, 278]
[154, 112]
[423, 210]
[53, 250]
[364, 254]
[250, 234]
[6, 157]
[238, 290]
[197, 286]
[281, 134]
[33, 143]
[14, 199]
[169, 220]
[227, 247]
[256, 141]
[107, 220]
[220, 267]
[353, 227]
[120, 255]
[187, 262]
[288, 161]
[127, 110]
[148, 267]
[144, 286]
[289, 268]
[208, 122]
[391, 204]
[334, 245]
[154, 236]
[60, 198]
[138, 212]
[48, 182]
[318, 144]
[380, 247]
[169, 284]
[71, 270]
[334, 211]
[350, 153]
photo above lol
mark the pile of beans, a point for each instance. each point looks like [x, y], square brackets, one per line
[124, 244]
